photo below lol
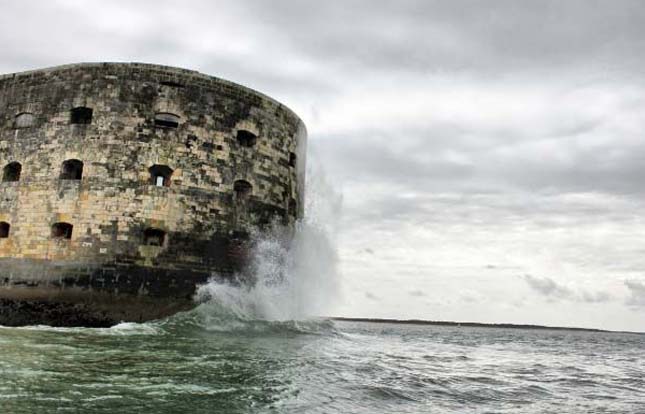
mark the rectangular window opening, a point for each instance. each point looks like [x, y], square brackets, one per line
[166, 124]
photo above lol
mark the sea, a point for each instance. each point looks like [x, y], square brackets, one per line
[197, 363]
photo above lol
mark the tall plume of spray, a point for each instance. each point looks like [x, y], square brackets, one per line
[294, 279]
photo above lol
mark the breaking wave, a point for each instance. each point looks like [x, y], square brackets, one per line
[293, 272]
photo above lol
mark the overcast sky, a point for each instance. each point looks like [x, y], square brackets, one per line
[490, 154]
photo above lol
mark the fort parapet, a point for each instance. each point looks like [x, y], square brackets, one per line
[124, 186]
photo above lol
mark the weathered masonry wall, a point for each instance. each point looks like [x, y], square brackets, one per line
[136, 166]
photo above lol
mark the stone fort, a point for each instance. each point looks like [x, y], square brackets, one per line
[126, 185]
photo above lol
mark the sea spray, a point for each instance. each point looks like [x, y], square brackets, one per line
[293, 273]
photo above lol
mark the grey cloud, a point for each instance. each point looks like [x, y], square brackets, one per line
[471, 298]
[365, 157]
[417, 293]
[371, 296]
[442, 158]
[550, 288]
[547, 287]
[595, 297]
[393, 207]
[483, 37]
[636, 292]
[462, 35]
[342, 38]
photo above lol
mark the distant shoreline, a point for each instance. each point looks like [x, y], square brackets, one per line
[477, 325]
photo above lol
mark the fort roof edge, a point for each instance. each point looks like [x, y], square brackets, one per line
[153, 66]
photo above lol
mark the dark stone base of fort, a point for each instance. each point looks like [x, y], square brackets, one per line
[122, 289]
[104, 313]
[68, 293]
[100, 298]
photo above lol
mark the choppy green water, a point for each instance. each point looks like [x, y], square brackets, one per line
[196, 364]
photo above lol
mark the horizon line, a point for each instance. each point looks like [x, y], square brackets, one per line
[477, 324]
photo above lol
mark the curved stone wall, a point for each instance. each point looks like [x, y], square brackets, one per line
[135, 180]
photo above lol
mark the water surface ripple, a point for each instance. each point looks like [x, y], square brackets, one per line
[185, 365]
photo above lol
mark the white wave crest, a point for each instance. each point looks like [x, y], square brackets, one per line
[294, 274]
